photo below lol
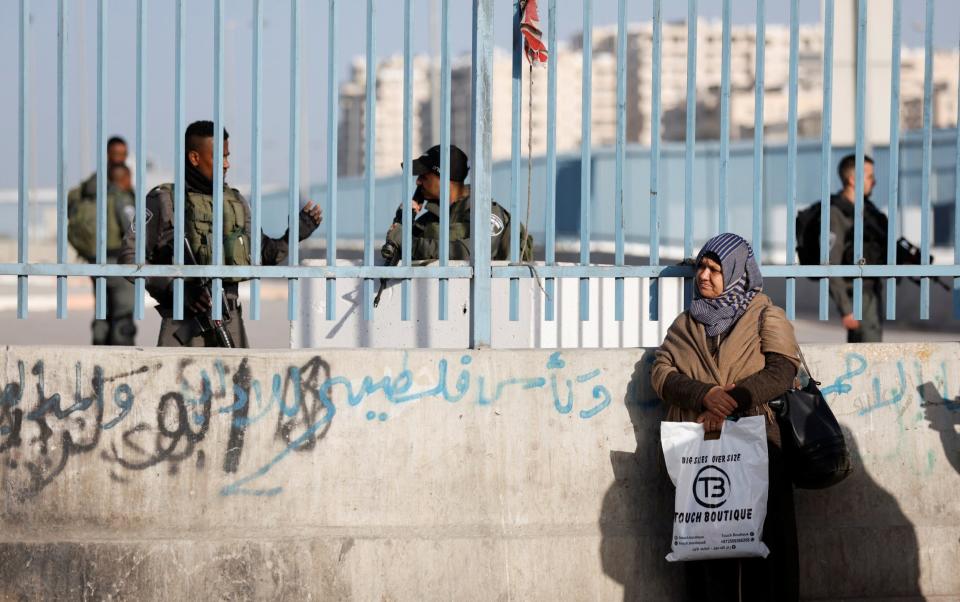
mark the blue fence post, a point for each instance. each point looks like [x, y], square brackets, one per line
[927, 158]
[956, 215]
[550, 210]
[179, 160]
[23, 182]
[894, 175]
[758, 95]
[218, 147]
[621, 144]
[407, 234]
[860, 118]
[293, 200]
[586, 115]
[791, 283]
[256, 163]
[482, 88]
[293, 175]
[370, 125]
[444, 152]
[100, 296]
[333, 100]
[654, 309]
[724, 117]
[690, 143]
[141, 191]
[62, 20]
[825, 148]
[516, 95]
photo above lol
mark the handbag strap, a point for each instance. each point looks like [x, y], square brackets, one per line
[803, 360]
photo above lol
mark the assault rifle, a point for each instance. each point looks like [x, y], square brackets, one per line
[201, 323]
[909, 254]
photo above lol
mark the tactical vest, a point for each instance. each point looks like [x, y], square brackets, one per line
[116, 201]
[458, 231]
[82, 224]
[198, 227]
[459, 235]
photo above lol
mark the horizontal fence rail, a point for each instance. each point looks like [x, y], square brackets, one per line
[591, 219]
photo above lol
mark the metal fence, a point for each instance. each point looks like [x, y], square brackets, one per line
[481, 270]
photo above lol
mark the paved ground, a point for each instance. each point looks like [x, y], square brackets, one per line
[273, 329]
[43, 328]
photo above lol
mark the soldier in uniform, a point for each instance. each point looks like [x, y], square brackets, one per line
[119, 327]
[116, 155]
[869, 329]
[426, 224]
[194, 330]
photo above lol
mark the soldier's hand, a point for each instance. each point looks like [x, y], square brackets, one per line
[310, 217]
[850, 323]
[198, 300]
[418, 199]
[313, 211]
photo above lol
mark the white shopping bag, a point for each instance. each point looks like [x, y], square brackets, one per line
[722, 484]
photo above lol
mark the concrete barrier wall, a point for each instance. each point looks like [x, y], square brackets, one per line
[425, 475]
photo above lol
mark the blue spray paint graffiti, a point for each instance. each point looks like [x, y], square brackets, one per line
[304, 400]
[396, 390]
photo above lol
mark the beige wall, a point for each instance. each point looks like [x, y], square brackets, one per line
[429, 475]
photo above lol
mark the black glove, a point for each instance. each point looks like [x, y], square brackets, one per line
[390, 251]
[310, 218]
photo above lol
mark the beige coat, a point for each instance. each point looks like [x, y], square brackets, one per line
[763, 328]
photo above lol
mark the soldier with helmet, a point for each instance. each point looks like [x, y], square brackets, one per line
[426, 215]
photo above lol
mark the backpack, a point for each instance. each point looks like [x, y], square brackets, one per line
[808, 235]
[82, 224]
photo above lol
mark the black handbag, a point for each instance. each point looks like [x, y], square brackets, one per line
[813, 443]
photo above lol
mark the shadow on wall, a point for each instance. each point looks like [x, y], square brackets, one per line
[944, 416]
[855, 541]
[635, 517]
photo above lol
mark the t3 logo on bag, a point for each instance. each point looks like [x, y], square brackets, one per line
[721, 497]
[711, 487]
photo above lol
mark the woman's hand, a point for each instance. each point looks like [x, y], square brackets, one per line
[718, 402]
[710, 422]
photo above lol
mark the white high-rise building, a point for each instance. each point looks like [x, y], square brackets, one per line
[388, 149]
[569, 103]
[639, 89]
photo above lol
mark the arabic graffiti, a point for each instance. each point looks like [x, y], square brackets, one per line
[912, 393]
[40, 436]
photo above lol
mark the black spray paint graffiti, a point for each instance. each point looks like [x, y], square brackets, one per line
[62, 432]
[182, 419]
[296, 418]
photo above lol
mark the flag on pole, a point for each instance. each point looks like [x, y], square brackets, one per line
[535, 48]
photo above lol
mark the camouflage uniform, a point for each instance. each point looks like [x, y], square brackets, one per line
[119, 327]
[426, 232]
[198, 230]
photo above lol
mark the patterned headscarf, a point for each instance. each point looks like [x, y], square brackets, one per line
[741, 283]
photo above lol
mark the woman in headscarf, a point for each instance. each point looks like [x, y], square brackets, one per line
[729, 355]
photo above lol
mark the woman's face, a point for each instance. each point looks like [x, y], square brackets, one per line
[709, 278]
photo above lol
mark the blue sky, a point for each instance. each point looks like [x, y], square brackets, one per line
[81, 78]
